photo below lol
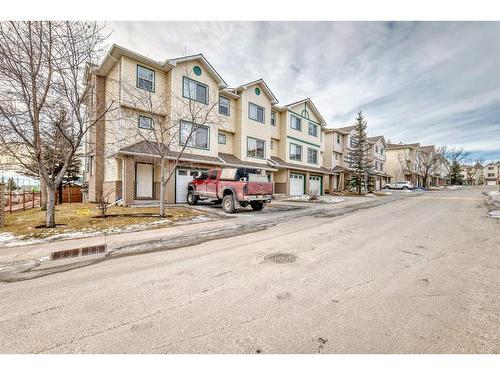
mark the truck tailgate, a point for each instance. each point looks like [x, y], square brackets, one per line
[259, 188]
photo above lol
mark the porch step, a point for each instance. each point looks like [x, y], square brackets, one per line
[146, 203]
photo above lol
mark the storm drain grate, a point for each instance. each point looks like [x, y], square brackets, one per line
[280, 258]
[72, 253]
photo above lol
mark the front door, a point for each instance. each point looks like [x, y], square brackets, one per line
[144, 180]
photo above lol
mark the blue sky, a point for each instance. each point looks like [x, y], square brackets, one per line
[428, 82]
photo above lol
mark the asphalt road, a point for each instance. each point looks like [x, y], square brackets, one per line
[417, 275]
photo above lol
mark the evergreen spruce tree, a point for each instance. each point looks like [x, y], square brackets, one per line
[358, 158]
[455, 175]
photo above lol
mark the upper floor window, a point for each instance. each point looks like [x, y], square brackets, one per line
[312, 156]
[338, 139]
[490, 168]
[381, 166]
[145, 122]
[145, 78]
[194, 90]
[255, 112]
[271, 144]
[221, 138]
[273, 118]
[313, 129]
[381, 151]
[224, 105]
[376, 149]
[193, 135]
[376, 166]
[256, 148]
[295, 152]
[295, 123]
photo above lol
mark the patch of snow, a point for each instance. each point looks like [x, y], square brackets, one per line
[494, 195]
[495, 214]
[321, 199]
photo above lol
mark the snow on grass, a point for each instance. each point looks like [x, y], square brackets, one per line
[9, 240]
[321, 199]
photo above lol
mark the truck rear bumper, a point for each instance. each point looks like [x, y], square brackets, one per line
[252, 198]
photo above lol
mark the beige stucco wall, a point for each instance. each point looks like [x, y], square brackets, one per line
[250, 128]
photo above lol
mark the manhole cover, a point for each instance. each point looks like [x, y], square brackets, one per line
[280, 258]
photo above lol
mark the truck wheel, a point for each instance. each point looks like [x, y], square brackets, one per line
[257, 206]
[192, 198]
[228, 204]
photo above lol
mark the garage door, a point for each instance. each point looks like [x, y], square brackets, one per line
[297, 184]
[315, 185]
[183, 177]
[490, 182]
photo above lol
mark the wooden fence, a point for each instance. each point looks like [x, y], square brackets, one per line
[24, 200]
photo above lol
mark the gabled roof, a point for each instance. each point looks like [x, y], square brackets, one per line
[402, 145]
[311, 104]
[116, 52]
[260, 81]
[199, 57]
[376, 139]
[345, 129]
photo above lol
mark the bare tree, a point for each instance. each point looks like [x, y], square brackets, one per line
[170, 124]
[455, 157]
[43, 94]
[427, 161]
[473, 169]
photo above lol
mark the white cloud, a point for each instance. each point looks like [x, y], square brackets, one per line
[433, 82]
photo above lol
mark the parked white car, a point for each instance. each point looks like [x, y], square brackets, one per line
[400, 185]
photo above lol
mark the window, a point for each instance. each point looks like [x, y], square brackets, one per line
[295, 152]
[145, 78]
[213, 174]
[381, 151]
[312, 156]
[376, 149]
[203, 176]
[381, 166]
[193, 135]
[491, 175]
[313, 129]
[255, 112]
[376, 165]
[338, 139]
[271, 145]
[194, 90]
[145, 122]
[223, 105]
[221, 138]
[256, 148]
[336, 156]
[295, 123]
[273, 118]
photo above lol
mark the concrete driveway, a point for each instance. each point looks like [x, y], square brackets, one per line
[415, 275]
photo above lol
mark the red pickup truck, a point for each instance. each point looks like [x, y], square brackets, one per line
[233, 187]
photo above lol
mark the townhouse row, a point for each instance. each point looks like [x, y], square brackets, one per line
[214, 126]
[478, 174]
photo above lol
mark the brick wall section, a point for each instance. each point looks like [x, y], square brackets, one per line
[2, 204]
[98, 173]
[129, 180]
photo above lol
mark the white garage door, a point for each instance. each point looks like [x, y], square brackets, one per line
[183, 177]
[296, 184]
[490, 182]
[315, 185]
